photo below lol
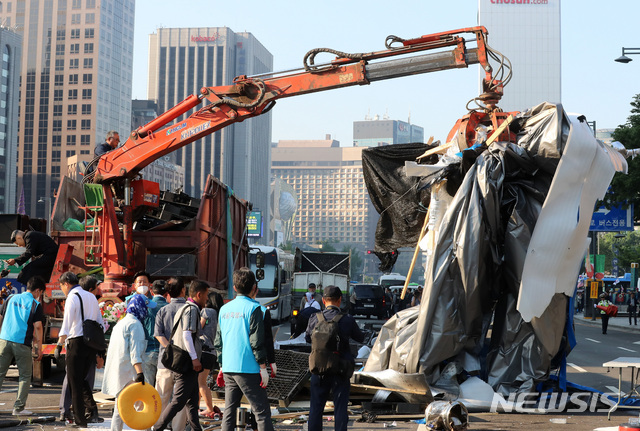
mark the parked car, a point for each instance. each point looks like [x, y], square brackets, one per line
[367, 300]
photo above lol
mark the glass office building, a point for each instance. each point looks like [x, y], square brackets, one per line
[11, 46]
[76, 77]
[181, 62]
[528, 33]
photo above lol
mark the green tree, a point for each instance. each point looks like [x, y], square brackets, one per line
[356, 262]
[287, 246]
[327, 245]
[627, 246]
[626, 188]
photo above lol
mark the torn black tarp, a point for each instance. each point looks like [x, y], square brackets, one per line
[473, 278]
[399, 199]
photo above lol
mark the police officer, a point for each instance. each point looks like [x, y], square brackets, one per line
[41, 248]
[321, 386]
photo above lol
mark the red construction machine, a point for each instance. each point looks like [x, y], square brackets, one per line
[114, 197]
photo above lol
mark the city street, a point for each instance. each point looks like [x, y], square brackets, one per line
[584, 368]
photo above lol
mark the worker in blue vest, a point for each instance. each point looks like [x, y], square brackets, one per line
[240, 345]
[22, 318]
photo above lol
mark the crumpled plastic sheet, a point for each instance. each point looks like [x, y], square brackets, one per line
[473, 279]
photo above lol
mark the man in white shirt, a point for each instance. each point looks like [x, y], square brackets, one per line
[80, 357]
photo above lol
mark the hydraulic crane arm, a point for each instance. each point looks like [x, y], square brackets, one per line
[252, 96]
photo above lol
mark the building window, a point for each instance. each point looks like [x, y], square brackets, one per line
[59, 64]
[57, 125]
[86, 94]
[91, 4]
[73, 78]
[71, 140]
[85, 152]
[86, 109]
[75, 33]
[88, 33]
[58, 80]
[87, 78]
[91, 18]
[88, 48]
[88, 63]
[74, 63]
[72, 109]
[85, 125]
[60, 49]
[71, 125]
[73, 94]
[75, 18]
[71, 153]
[57, 94]
[76, 4]
[74, 48]
[85, 139]
[57, 110]
[56, 140]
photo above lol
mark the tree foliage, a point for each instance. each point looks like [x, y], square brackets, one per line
[626, 188]
[627, 247]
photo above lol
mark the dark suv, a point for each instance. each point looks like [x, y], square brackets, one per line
[367, 300]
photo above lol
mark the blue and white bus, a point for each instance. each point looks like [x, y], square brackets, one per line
[274, 290]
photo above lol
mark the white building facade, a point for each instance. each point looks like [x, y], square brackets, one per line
[527, 32]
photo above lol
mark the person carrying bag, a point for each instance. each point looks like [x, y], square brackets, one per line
[174, 358]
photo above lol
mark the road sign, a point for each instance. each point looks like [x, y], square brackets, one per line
[612, 220]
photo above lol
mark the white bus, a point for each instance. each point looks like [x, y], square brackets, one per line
[392, 279]
[274, 290]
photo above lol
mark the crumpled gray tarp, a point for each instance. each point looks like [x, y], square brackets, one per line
[473, 279]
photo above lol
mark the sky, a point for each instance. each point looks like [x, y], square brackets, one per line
[593, 34]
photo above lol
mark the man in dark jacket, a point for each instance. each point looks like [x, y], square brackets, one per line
[41, 248]
[111, 143]
[321, 386]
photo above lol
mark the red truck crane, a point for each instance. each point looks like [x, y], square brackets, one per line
[122, 197]
[249, 97]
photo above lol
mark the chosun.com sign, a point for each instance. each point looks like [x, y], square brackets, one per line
[519, 1]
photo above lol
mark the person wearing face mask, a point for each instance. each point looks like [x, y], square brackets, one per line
[125, 354]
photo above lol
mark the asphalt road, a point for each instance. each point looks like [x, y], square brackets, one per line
[585, 368]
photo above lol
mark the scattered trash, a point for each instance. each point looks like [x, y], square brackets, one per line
[558, 420]
[447, 415]
[390, 425]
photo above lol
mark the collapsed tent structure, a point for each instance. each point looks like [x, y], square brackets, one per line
[508, 228]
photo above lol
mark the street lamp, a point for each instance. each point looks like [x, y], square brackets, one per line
[631, 51]
[48, 214]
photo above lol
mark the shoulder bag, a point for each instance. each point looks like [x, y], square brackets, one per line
[92, 331]
[175, 358]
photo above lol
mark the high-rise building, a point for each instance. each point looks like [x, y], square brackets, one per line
[11, 44]
[181, 62]
[76, 77]
[376, 133]
[332, 199]
[527, 32]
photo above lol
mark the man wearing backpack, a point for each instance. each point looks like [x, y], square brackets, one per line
[331, 362]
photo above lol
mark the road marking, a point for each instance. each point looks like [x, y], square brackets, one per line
[636, 342]
[628, 350]
[614, 390]
[9, 391]
[591, 339]
[574, 366]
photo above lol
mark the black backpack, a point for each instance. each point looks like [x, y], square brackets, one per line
[325, 341]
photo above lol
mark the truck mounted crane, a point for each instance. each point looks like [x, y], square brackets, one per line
[249, 97]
